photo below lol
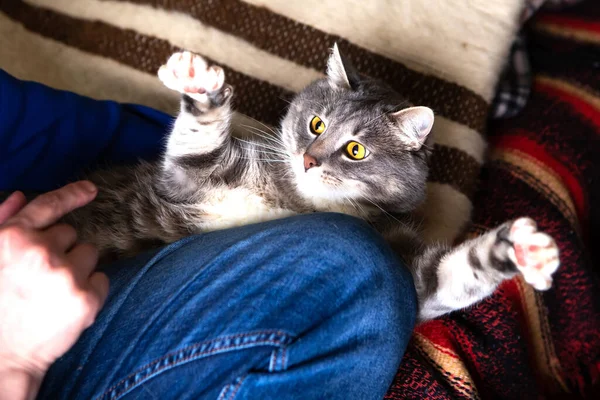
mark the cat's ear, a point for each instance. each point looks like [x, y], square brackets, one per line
[415, 124]
[340, 73]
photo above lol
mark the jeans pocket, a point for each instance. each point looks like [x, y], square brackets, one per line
[222, 344]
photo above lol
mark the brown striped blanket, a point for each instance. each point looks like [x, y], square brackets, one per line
[272, 48]
[447, 56]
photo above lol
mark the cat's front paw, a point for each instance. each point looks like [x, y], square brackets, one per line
[534, 253]
[190, 74]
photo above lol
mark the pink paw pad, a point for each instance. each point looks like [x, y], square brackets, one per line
[189, 73]
[534, 253]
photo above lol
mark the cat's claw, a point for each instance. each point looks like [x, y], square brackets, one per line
[534, 253]
[190, 74]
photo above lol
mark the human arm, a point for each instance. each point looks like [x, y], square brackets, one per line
[48, 137]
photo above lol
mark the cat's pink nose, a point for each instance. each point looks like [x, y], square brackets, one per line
[309, 162]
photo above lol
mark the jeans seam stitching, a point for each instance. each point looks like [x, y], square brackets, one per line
[224, 391]
[273, 360]
[284, 358]
[277, 342]
[237, 387]
[183, 360]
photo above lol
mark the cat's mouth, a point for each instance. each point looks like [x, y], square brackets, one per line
[317, 183]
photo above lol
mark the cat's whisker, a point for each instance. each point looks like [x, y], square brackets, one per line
[269, 128]
[350, 201]
[256, 128]
[284, 155]
[269, 141]
[361, 211]
[267, 155]
[284, 100]
[385, 212]
[259, 144]
[260, 149]
[355, 205]
[286, 172]
[271, 152]
[263, 124]
[365, 213]
[263, 159]
[265, 135]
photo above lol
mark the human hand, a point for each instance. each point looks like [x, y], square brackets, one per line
[49, 292]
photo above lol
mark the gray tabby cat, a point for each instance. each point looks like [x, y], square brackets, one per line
[348, 144]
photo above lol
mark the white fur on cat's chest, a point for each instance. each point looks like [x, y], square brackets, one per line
[230, 207]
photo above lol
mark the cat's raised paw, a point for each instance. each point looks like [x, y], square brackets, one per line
[190, 74]
[534, 253]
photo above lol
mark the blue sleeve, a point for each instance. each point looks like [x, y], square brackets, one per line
[48, 137]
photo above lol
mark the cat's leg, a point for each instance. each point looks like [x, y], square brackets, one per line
[449, 279]
[200, 137]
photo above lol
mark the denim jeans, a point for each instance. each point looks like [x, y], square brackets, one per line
[310, 307]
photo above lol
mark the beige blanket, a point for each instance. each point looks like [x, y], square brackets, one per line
[445, 54]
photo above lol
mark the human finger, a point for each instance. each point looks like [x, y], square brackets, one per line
[98, 287]
[12, 205]
[61, 236]
[82, 259]
[48, 208]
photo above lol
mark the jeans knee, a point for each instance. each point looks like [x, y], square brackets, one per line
[376, 286]
[359, 256]
[341, 232]
[355, 244]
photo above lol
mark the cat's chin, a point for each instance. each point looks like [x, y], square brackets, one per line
[315, 188]
[310, 185]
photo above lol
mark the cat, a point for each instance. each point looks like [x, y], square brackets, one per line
[348, 143]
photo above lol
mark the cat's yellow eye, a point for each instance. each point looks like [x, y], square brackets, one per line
[317, 126]
[356, 150]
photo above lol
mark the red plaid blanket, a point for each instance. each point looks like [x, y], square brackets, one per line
[544, 163]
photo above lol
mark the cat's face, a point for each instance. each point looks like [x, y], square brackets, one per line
[353, 138]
